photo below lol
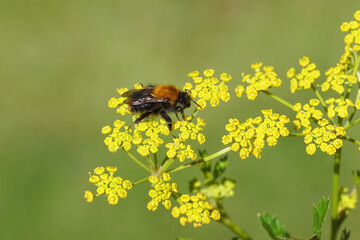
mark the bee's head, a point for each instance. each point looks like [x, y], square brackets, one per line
[184, 100]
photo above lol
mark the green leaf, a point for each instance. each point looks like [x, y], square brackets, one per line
[319, 213]
[205, 166]
[273, 226]
[220, 167]
[345, 235]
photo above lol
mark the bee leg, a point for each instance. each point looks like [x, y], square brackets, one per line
[182, 113]
[168, 120]
[142, 116]
[176, 114]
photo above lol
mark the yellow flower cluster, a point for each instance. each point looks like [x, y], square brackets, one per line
[191, 130]
[326, 136]
[220, 190]
[113, 187]
[347, 201]
[250, 137]
[145, 136]
[351, 38]
[188, 130]
[336, 78]
[119, 102]
[179, 150]
[161, 191]
[261, 81]
[152, 130]
[195, 210]
[117, 138]
[208, 88]
[342, 107]
[305, 78]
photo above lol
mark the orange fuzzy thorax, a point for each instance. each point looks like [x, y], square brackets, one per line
[169, 92]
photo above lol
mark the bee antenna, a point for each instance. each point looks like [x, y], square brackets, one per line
[197, 104]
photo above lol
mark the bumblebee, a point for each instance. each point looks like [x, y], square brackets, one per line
[154, 100]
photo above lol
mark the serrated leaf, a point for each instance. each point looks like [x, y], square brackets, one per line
[273, 226]
[319, 214]
[220, 167]
[345, 235]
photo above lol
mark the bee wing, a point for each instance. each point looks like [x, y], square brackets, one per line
[141, 96]
[148, 98]
[130, 92]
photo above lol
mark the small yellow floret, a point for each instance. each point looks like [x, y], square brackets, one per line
[89, 196]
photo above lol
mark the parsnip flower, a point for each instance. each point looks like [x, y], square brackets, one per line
[208, 88]
[224, 189]
[339, 106]
[347, 201]
[194, 209]
[119, 102]
[179, 150]
[337, 79]
[188, 130]
[325, 136]
[262, 80]
[305, 78]
[113, 187]
[117, 137]
[161, 191]
[250, 137]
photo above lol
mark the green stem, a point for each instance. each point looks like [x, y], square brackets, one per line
[155, 160]
[279, 99]
[140, 181]
[351, 140]
[151, 163]
[318, 95]
[137, 161]
[226, 220]
[335, 224]
[167, 164]
[352, 124]
[208, 158]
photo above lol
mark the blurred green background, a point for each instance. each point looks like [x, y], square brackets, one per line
[62, 60]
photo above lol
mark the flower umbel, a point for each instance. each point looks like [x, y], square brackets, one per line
[305, 78]
[250, 137]
[161, 191]
[194, 209]
[325, 135]
[263, 79]
[113, 187]
[208, 88]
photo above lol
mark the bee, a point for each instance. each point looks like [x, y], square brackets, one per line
[155, 100]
